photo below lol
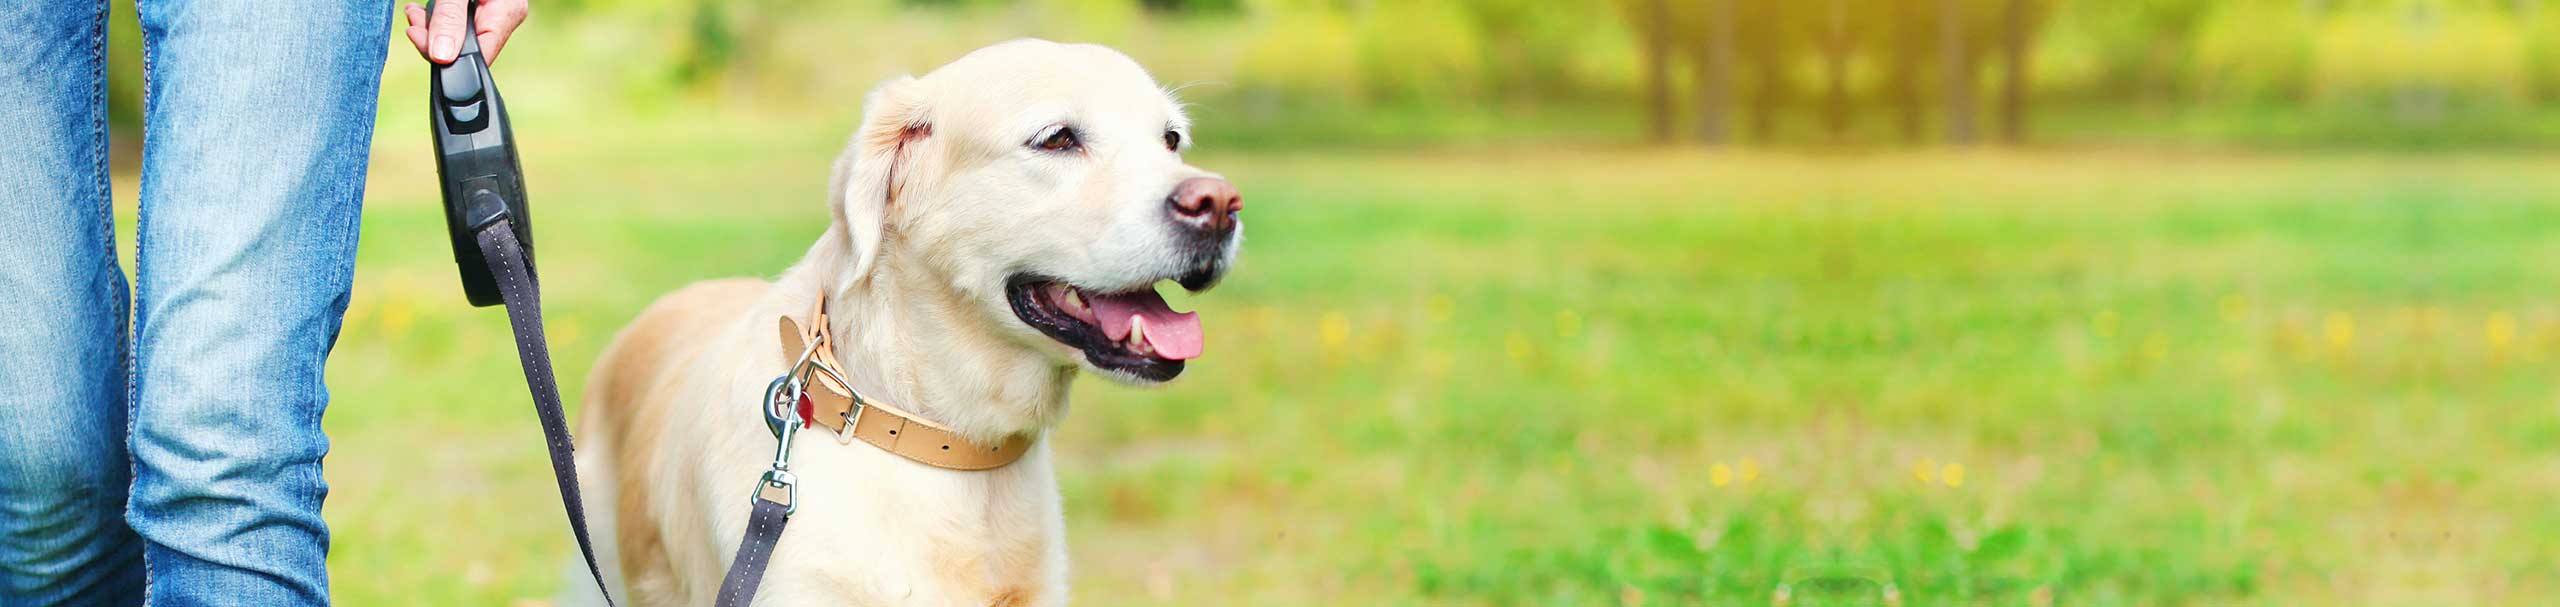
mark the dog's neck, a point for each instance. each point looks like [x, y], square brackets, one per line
[905, 338]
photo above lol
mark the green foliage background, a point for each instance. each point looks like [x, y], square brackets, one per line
[2360, 72]
[2290, 72]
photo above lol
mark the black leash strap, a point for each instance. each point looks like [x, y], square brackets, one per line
[523, 293]
[764, 527]
[777, 493]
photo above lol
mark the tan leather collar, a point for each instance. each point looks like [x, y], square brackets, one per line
[851, 415]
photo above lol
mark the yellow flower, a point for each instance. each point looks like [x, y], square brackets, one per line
[1749, 468]
[395, 316]
[1924, 470]
[1518, 345]
[1720, 474]
[1953, 474]
[2500, 330]
[1336, 330]
[2341, 329]
[2155, 346]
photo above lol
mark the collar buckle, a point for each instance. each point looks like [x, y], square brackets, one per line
[852, 419]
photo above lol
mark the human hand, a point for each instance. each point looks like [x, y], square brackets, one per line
[438, 36]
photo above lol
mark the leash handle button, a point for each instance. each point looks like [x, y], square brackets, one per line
[461, 82]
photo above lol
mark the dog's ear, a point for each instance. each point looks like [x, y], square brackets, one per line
[873, 169]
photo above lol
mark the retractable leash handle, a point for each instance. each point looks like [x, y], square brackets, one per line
[475, 153]
[486, 216]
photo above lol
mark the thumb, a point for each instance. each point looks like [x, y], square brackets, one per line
[445, 29]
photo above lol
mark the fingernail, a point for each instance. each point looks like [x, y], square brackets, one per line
[442, 46]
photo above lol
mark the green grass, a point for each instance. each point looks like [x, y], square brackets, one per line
[1603, 376]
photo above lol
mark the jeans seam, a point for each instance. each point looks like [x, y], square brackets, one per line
[98, 133]
[104, 190]
[111, 291]
[133, 340]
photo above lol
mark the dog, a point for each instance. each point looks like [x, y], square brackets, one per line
[999, 227]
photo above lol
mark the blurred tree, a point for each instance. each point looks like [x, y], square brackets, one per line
[1910, 35]
[1652, 20]
[2255, 52]
[1421, 52]
[2019, 20]
[2143, 47]
[1956, 70]
[1768, 35]
[2542, 36]
[1836, 34]
[1701, 32]
[1711, 55]
[1532, 48]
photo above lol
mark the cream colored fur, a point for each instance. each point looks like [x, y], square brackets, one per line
[938, 199]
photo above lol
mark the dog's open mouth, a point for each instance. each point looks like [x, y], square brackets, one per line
[1131, 332]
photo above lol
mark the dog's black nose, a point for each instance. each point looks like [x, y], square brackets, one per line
[1207, 205]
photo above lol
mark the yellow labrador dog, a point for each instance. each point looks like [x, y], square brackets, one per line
[998, 224]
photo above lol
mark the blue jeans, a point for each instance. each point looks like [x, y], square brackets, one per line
[177, 457]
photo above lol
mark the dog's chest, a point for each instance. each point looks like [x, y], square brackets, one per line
[906, 535]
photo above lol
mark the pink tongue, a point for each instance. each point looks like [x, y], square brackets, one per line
[1175, 335]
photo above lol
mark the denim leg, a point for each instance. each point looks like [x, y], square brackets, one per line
[259, 116]
[63, 367]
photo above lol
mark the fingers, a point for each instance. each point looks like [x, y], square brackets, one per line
[438, 32]
[417, 26]
[498, 21]
[445, 29]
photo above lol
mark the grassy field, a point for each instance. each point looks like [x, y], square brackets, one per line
[1606, 376]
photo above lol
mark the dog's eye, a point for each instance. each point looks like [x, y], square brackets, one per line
[1060, 139]
[1173, 141]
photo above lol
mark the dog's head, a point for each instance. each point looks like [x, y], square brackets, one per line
[1043, 183]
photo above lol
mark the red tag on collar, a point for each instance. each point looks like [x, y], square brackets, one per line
[808, 412]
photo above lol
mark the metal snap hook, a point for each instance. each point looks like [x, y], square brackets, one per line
[781, 404]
